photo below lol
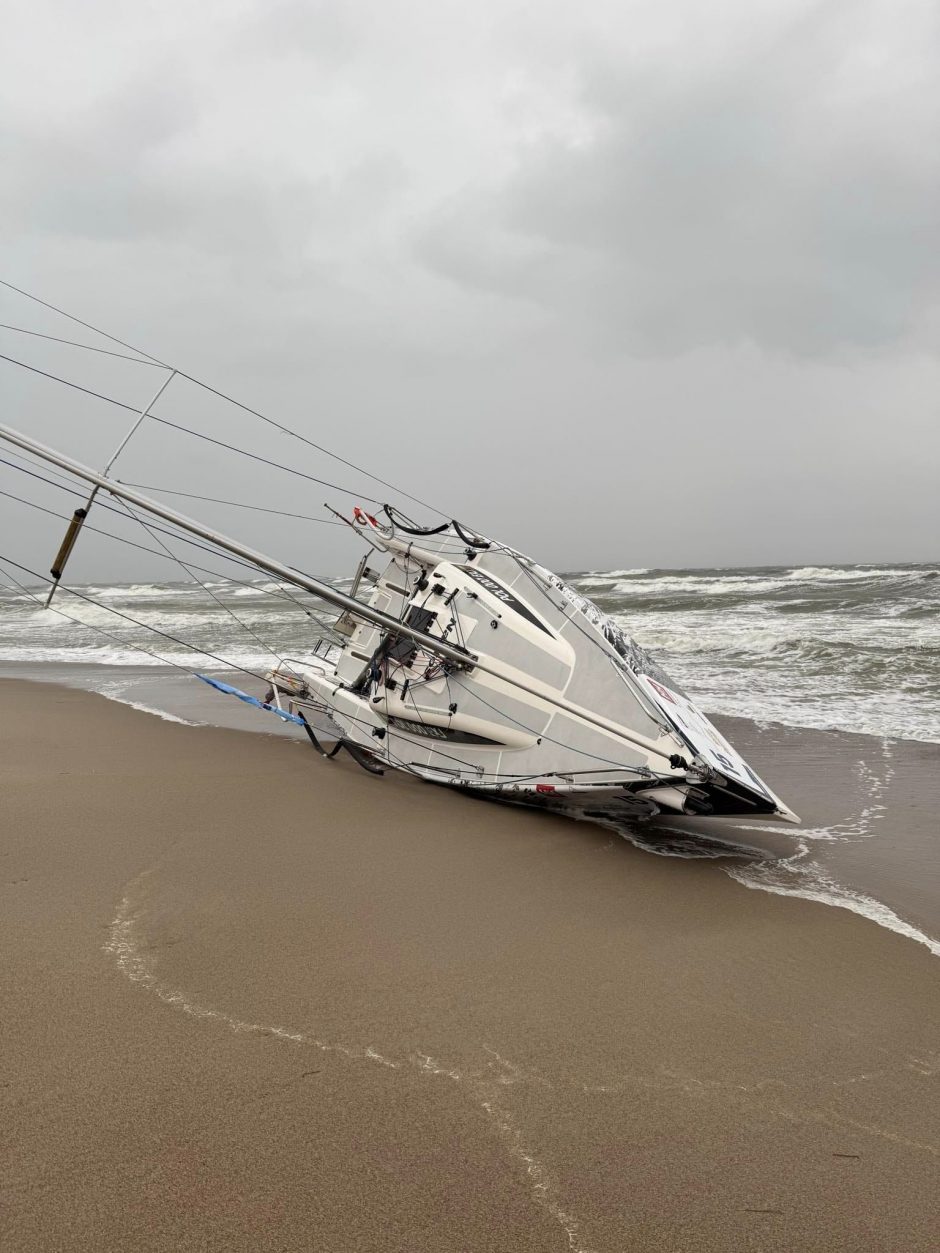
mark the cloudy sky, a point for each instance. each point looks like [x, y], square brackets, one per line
[624, 283]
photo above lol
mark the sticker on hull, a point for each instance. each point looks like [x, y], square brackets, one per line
[706, 739]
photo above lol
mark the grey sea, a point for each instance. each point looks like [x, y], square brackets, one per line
[826, 677]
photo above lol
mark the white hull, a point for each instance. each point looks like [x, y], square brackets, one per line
[568, 713]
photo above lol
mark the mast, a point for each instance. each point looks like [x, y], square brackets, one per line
[332, 595]
[325, 591]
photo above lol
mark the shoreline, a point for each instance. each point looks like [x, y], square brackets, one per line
[849, 852]
[251, 997]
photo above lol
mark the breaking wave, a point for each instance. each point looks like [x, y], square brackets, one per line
[802, 877]
[852, 648]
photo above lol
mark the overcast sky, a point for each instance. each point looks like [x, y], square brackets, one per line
[621, 283]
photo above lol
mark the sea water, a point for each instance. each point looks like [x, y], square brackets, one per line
[851, 649]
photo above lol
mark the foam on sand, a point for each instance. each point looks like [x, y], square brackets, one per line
[134, 958]
[806, 879]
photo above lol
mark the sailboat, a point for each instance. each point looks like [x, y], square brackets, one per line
[459, 660]
[452, 657]
[545, 701]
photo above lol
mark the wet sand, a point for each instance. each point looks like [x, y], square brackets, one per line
[252, 1000]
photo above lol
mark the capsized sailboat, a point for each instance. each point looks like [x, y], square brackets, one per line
[458, 659]
[550, 703]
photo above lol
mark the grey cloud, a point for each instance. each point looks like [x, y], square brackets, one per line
[324, 31]
[585, 276]
[93, 171]
[778, 195]
[125, 169]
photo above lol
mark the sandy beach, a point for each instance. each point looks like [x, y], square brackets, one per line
[254, 1001]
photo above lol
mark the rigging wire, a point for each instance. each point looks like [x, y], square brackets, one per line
[219, 443]
[55, 339]
[144, 626]
[409, 768]
[175, 534]
[239, 504]
[72, 484]
[615, 658]
[97, 530]
[87, 325]
[14, 581]
[189, 570]
[641, 770]
[283, 591]
[311, 478]
[222, 396]
[120, 539]
[68, 485]
[280, 593]
[319, 447]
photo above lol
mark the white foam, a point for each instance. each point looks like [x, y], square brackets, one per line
[597, 577]
[793, 669]
[838, 574]
[120, 699]
[142, 591]
[701, 584]
[84, 656]
[865, 672]
[811, 883]
[808, 880]
[137, 963]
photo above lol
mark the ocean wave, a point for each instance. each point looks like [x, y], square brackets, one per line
[118, 695]
[898, 715]
[610, 578]
[796, 875]
[873, 583]
[699, 584]
[158, 654]
[71, 654]
[763, 643]
[606, 575]
[847, 648]
[141, 591]
[792, 876]
[843, 573]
